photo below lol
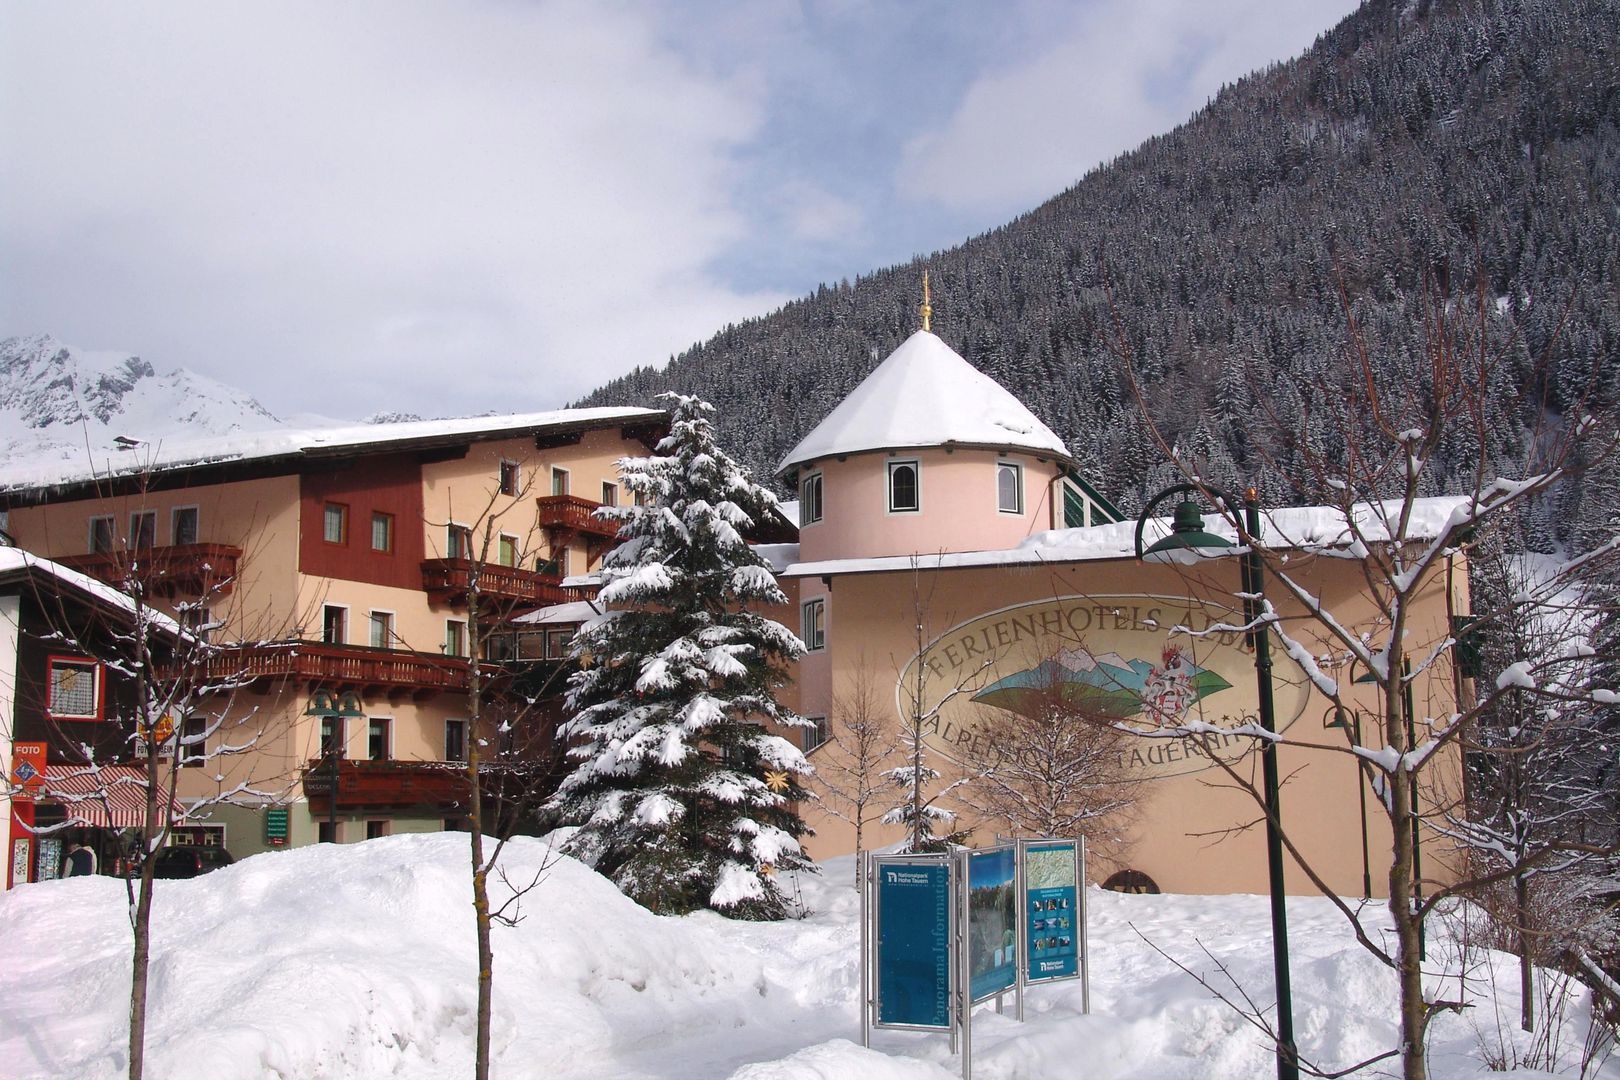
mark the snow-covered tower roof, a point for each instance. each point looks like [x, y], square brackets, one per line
[926, 395]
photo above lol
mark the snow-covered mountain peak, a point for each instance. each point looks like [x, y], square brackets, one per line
[59, 401]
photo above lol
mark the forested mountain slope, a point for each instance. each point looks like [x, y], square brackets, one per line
[1413, 143]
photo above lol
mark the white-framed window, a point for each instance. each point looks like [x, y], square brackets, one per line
[193, 742]
[610, 493]
[73, 691]
[810, 499]
[507, 550]
[455, 637]
[559, 481]
[1009, 487]
[813, 624]
[183, 525]
[458, 542]
[905, 487]
[559, 560]
[142, 530]
[198, 618]
[557, 643]
[511, 478]
[335, 523]
[334, 739]
[816, 734]
[102, 536]
[455, 740]
[381, 624]
[334, 624]
[382, 531]
[379, 741]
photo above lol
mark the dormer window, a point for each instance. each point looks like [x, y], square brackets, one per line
[810, 499]
[905, 487]
[1009, 487]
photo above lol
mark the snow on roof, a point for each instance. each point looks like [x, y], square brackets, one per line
[305, 442]
[925, 394]
[576, 611]
[779, 556]
[14, 560]
[1299, 526]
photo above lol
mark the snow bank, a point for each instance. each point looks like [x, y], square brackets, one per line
[356, 962]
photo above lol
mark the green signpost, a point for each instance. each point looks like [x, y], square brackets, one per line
[275, 826]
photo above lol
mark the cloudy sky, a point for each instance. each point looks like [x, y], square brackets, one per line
[498, 204]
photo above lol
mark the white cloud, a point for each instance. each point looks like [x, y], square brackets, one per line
[1099, 79]
[813, 213]
[475, 206]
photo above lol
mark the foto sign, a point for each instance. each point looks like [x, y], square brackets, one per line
[912, 958]
[28, 765]
[992, 927]
[1052, 915]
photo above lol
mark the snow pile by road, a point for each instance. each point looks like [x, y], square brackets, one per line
[357, 962]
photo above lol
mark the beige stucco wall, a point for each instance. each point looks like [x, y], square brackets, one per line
[259, 516]
[958, 505]
[1183, 830]
[463, 490]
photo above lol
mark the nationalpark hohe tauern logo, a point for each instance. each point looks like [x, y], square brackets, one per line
[1117, 658]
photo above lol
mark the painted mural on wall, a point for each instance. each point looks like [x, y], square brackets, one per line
[1109, 659]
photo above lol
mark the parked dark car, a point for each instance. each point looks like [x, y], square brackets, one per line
[189, 860]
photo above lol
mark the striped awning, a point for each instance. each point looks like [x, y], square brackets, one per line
[105, 796]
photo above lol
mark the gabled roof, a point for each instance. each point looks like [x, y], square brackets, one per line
[310, 443]
[54, 579]
[926, 395]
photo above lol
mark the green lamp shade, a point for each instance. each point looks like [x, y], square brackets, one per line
[1187, 535]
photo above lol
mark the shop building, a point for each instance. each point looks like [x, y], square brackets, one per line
[68, 746]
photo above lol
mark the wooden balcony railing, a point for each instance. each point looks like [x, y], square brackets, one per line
[193, 569]
[575, 514]
[447, 581]
[338, 666]
[438, 787]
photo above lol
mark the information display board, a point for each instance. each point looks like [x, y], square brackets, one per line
[1052, 916]
[913, 942]
[992, 930]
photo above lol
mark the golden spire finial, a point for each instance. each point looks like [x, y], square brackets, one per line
[927, 309]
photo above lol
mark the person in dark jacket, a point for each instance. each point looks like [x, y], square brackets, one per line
[80, 862]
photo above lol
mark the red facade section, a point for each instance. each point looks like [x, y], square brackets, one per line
[364, 486]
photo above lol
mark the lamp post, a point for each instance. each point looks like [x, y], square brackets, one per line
[335, 713]
[1186, 540]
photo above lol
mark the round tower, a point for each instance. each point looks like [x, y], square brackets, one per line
[927, 455]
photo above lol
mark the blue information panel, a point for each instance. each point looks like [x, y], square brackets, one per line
[1051, 911]
[913, 944]
[992, 923]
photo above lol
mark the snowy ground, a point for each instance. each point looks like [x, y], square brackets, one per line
[357, 962]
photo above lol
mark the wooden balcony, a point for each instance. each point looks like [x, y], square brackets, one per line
[436, 787]
[190, 569]
[446, 581]
[577, 515]
[341, 667]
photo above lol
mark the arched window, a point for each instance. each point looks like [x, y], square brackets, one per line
[1009, 487]
[905, 489]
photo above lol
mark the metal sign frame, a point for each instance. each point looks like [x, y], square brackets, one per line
[1083, 941]
[967, 919]
[871, 944]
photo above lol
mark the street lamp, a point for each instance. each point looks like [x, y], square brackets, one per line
[334, 711]
[1188, 542]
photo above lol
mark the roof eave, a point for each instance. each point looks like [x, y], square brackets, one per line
[794, 461]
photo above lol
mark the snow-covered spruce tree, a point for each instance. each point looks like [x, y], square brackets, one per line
[680, 795]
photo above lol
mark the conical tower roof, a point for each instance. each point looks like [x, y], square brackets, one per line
[926, 395]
